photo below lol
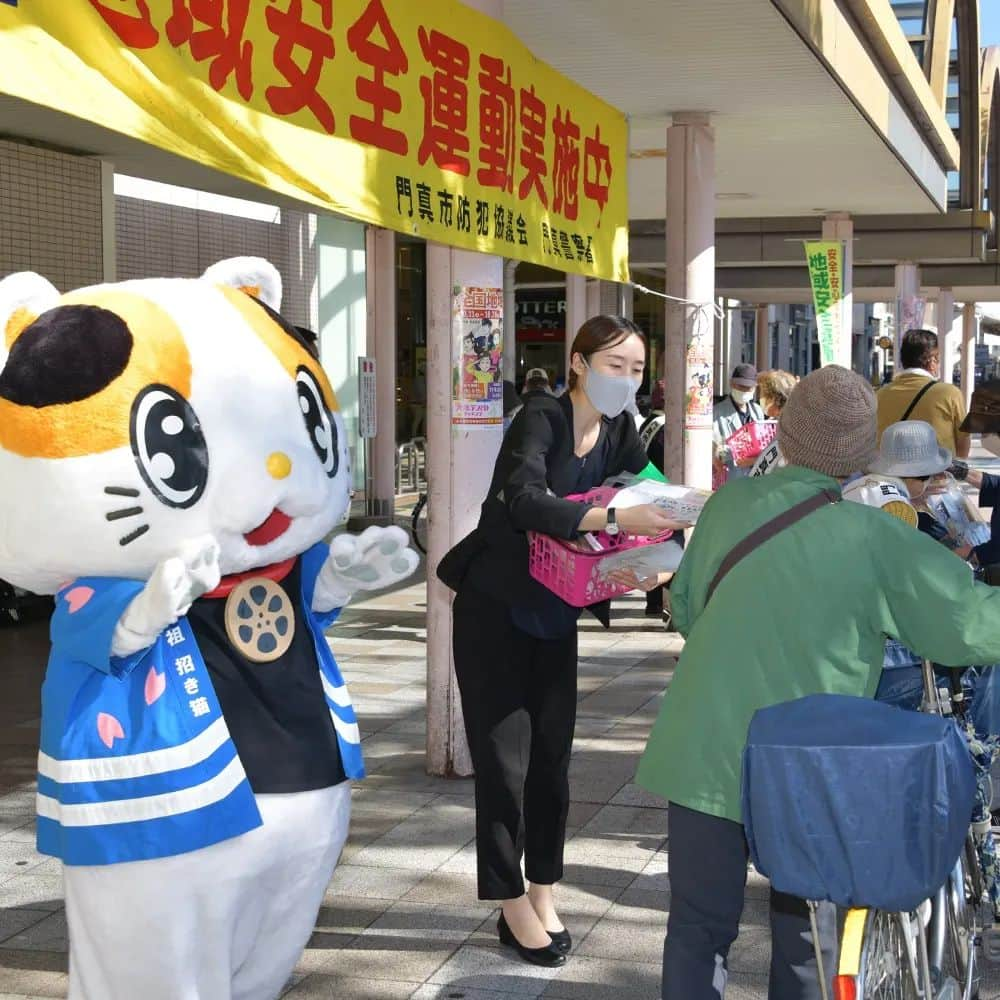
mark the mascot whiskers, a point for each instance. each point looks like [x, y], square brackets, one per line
[173, 458]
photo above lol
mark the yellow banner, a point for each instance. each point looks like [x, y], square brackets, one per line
[425, 117]
[826, 274]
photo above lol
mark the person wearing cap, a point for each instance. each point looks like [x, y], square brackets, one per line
[804, 612]
[916, 394]
[732, 412]
[536, 381]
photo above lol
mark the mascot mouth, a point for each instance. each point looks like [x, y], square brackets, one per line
[274, 527]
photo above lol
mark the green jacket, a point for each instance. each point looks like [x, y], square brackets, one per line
[807, 612]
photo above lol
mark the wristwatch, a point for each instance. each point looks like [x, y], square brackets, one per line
[612, 528]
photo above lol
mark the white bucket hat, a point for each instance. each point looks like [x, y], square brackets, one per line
[910, 449]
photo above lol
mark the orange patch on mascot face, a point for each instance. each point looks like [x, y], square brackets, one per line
[73, 373]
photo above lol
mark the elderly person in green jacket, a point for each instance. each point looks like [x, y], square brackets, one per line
[806, 612]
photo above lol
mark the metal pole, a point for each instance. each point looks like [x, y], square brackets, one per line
[818, 947]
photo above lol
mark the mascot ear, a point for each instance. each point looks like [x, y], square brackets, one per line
[23, 298]
[257, 277]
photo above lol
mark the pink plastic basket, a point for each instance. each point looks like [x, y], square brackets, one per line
[751, 439]
[574, 575]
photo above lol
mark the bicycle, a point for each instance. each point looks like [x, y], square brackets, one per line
[930, 953]
[418, 524]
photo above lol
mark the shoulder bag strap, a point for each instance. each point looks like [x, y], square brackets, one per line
[767, 531]
[916, 399]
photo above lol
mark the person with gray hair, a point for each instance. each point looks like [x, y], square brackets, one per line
[785, 591]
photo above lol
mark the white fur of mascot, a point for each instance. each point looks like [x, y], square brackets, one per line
[172, 458]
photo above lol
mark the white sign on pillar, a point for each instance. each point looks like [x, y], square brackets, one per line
[367, 395]
[463, 442]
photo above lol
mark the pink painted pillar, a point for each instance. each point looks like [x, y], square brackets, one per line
[380, 298]
[690, 275]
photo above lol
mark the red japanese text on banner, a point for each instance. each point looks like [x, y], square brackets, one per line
[428, 118]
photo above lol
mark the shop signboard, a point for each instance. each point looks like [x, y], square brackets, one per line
[367, 410]
[477, 382]
[826, 275]
[428, 118]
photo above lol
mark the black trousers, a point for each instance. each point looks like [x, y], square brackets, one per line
[519, 700]
[708, 874]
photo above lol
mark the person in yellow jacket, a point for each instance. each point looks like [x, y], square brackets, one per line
[806, 612]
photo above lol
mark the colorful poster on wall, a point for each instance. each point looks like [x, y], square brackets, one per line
[428, 118]
[698, 403]
[826, 275]
[477, 381]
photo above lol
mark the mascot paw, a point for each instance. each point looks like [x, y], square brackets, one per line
[378, 558]
[171, 590]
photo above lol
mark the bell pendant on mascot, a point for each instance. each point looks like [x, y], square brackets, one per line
[173, 459]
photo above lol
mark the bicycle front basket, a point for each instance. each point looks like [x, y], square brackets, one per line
[852, 801]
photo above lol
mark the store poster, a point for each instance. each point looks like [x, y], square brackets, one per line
[477, 376]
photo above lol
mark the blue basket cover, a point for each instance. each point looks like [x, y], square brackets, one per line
[849, 800]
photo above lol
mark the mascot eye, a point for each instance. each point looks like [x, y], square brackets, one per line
[169, 446]
[322, 430]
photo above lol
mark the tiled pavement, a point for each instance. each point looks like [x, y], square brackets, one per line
[400, 918]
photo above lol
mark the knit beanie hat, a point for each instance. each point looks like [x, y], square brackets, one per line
[829, 423]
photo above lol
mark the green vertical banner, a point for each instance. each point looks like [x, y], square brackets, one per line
[826, 275]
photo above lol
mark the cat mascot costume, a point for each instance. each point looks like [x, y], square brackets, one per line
[172, 458]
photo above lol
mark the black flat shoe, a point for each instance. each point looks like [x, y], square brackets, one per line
[549, 957]
[561, 940]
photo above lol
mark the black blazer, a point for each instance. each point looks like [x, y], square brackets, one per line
[536, 468]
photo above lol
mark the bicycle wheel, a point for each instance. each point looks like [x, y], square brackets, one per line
[959, 958]
[418, 524]
[874, 951]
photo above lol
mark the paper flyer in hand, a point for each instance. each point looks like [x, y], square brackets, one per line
[961, 518]
[683, 503]
[646, 560]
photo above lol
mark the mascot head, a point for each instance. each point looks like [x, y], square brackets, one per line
[139, 414]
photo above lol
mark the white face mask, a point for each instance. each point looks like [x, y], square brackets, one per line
[991, 442]
[610, 394]
[742, 396]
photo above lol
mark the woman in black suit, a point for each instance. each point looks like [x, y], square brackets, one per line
[515, 642]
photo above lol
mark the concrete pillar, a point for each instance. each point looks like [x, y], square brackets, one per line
[509, 321]
[460, 461]
[690, 275]
[907, 294]
[762, 339]
[593, 297]
[342, 322]
[944, 317]
[380, 293]
[840, 226]
[576, 310]
[970, 336]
